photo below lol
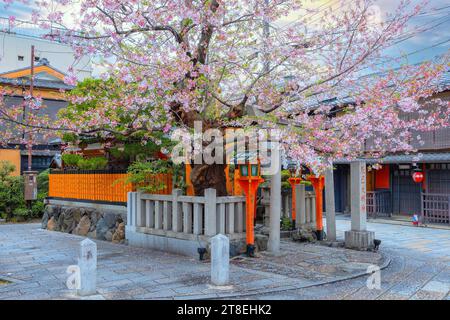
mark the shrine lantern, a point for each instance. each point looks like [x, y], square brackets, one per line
[249, 180]
[418, 177]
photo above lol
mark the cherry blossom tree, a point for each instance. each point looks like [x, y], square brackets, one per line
[235, 63]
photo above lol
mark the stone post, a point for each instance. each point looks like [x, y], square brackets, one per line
[220, 260]
[300, 208]
[275, 206]
[329, 204]
[210, 212]
[287, 211]
[87, 263]
[358, 237]
[177, 213]
[266, 202]
[131, 210]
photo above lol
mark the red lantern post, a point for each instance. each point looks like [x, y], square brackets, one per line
[250, 180]
[318, 184]
[294, 181]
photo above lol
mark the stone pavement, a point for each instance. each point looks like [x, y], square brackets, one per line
[419, 268]
[35, 261]
[418, 241]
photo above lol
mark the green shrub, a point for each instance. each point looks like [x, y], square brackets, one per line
[71, 160]
[286, 223]
[12, 202]
[6, 168]
[22, 212]
[77, 161]
[38, 206]
[140, 171]
[11, 195]
[97, 163]
[42, 181]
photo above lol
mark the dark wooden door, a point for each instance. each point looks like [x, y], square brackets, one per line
[405, 193]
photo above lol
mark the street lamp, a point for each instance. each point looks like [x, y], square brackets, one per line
[249, 180]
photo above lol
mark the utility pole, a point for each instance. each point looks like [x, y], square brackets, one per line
[30, 177]
[30, 147]
[266, 35]
[275, 179]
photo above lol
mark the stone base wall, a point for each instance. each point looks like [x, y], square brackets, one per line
[359, 240]
[96, 222]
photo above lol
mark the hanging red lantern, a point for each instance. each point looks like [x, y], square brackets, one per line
[418, 176]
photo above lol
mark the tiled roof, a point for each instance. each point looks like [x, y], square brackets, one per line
[345, 96]
[39, 83]
[405, 158]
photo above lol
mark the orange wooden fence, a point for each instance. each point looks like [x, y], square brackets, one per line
[109, 187]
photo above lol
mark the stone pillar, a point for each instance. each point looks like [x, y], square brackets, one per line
[275, 206]
[358, 237]
[300, 208]
[210, 212]
[220, 260]
[87, 263]
[287, 211]
[329, 204]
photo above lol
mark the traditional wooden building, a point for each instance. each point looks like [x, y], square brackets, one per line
[391, 189]
[49, 85]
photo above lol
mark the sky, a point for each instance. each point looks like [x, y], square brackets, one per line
[420, 47]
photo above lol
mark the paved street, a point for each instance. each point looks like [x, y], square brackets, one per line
[419, 268]
[35, 261]
[407, 240]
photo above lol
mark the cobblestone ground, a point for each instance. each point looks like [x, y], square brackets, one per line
[419, 268]
[35, 261]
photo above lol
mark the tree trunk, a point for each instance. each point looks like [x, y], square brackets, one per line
[204, 176]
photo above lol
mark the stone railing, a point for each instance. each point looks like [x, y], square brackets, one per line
[305, 208]
[192, 218]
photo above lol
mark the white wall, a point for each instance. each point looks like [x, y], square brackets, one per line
[60, 56]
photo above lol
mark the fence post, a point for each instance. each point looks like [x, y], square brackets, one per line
[422, 203]
[149, 214]
[240, 218]
[158, 215]
[222, 218]
[198, 223]
[187, 217]
[167, 215]
[210, 212]
[313, 212]
[230, 220]
[131, 209]
[177, 217]
[448, 205]
[300, 208]
[140, 211]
